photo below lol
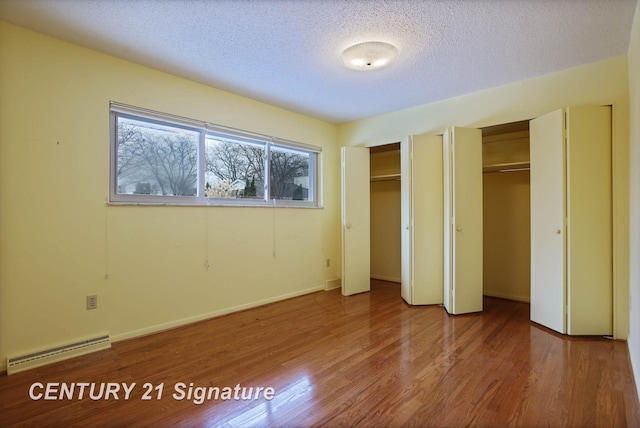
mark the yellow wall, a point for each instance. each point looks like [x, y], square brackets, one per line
[634, 159]
[385, 217]
[59, 238]
[600, 83]
[506, 235]
[385, 230]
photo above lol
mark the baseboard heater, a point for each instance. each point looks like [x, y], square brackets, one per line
[48, 356]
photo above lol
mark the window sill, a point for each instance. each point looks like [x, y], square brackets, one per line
[212, 204]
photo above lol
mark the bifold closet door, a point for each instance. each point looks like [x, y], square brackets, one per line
[547, 155]
[571, 221]
[356, 270]
[421, 219]
[406, 219]
[590, 221]
[462, 162]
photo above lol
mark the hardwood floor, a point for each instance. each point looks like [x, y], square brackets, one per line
[364, 360]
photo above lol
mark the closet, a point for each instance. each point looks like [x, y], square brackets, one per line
[406, 217]
[506, 211]
[571, 221]
[391, 216]
[489, 199]
[407, 223]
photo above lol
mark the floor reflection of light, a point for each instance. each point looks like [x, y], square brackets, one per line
[262, 413]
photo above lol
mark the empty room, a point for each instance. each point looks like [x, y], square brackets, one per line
[319, 213]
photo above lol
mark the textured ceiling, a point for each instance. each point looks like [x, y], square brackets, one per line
[287, 52]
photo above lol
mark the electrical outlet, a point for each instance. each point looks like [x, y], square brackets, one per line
[92, 301]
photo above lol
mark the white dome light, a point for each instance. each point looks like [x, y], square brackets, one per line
[369, 55]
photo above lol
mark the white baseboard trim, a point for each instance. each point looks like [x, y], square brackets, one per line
[190, 320]
[635, 369]
[331, 284]
[524, 299]
[386, 278]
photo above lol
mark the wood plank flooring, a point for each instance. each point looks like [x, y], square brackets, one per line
[365, 360]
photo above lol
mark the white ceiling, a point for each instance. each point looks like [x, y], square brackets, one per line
[287, 52]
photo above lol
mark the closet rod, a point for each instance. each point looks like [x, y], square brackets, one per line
[386, 177]
[507, 170]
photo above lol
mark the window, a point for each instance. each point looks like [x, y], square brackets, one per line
[156, 159]
[289, 174]
[162, 159]
[234, 168]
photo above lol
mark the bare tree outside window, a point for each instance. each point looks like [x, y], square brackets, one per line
[156, 160]
[289, 171]
[241, 165]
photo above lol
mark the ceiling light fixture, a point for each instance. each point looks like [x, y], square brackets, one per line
[369, 55]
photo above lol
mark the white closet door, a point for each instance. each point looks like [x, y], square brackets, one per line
[447, 205]
[548, 276]
[463, 212]
[589, 212]
[427, 220]
[356, 270]
[406, 219]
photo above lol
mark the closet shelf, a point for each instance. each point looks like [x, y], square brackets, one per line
[385, 177]
[506, 167]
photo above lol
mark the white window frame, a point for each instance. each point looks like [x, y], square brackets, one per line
[117, 110]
